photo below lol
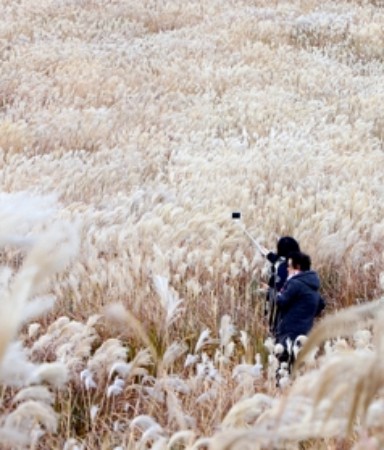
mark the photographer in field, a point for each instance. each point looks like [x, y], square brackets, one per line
[279, 273]
[299, 303]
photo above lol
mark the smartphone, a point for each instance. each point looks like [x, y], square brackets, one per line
[236, 215]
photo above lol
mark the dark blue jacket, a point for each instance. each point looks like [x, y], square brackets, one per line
[298, 303]
[279, 272]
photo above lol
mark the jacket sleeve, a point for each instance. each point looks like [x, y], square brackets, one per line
[282, 274]
[287, 295]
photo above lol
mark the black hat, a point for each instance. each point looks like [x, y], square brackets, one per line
[287, 245]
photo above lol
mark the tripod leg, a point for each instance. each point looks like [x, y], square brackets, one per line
[272, 312]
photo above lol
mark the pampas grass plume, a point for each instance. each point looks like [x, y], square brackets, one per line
[247, 411]
[14, 437]
[186, 436]
[143, 422]
[37, 393]
[172, 353]
[30, 412]
[37, 308]
[55, 374]
[169, 300]
[227, 330]
[203, 338]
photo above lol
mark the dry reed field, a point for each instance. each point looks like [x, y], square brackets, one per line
[131, 309]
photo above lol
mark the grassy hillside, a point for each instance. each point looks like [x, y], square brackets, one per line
[129, 132]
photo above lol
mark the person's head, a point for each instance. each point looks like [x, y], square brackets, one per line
[287, 245]
[298, 262]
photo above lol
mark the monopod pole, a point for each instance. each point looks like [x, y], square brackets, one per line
[237, 216]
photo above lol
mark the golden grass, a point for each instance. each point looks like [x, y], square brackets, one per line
[151, 123]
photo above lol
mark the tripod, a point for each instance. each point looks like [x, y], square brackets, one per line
[270, 302]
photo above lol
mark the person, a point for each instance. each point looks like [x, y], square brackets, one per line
[279, 273]
[299, 302]
[285, 246]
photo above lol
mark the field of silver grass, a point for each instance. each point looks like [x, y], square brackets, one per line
[131, 312]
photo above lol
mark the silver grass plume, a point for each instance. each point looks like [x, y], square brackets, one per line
[169, 299]
[160, 443]
[152, 434]
[244, 339]
[18, 371]
[203, 339]
[5, 277]
[226, 331]
[362, 339]
[55, 374]
[134, 368]
[269, 344]
[37, 307]
[247, 411]
[19, 212]
[201, 443]
[30, 412]
[51, 252]
[342, 323]
[73, 444]
[261, 437]
[175, 384]
[255, 370]
[116, 387]
[175, 411]
[208, 396]
[16, 368]
[186, 436]
[14, 437]
[143, 422]
[37, 393]
[119, 315]
[109, 353]
[172, 353]
[33, 330]
[74, 345]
